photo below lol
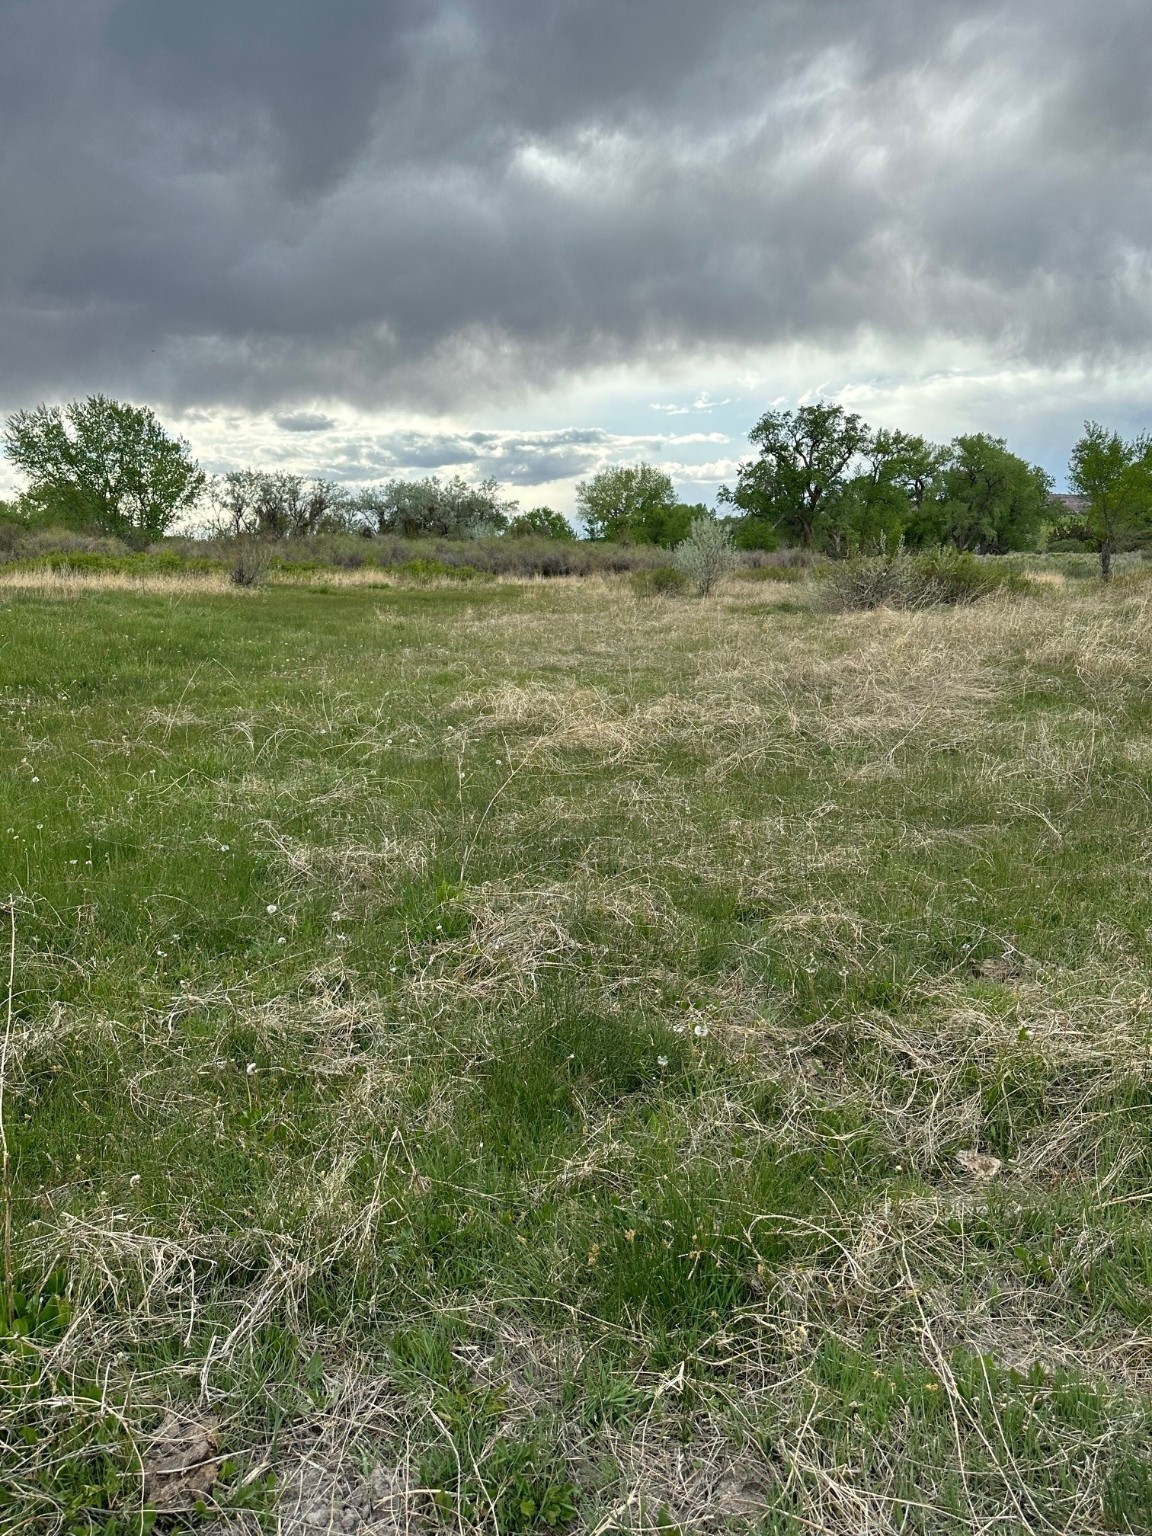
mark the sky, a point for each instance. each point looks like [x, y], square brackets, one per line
[529, 238]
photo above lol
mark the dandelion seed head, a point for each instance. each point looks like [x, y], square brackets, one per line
[271, 909]
[700, 1031]
[250, 1069]
[661, 1061]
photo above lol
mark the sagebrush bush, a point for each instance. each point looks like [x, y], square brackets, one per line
[900, 579]
[249, 563]
[706, 555]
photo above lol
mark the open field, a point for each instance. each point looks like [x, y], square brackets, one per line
[520, 1057]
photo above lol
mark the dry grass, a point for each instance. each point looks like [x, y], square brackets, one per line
[61, 582]
[805, 956]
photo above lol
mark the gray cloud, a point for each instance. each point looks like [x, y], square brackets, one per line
[305, 421]
[264, 203]
[514, 458]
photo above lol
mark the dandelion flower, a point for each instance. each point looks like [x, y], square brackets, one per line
[661, 1061]
[630, 1235]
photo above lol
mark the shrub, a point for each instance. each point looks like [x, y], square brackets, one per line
[897, 579]
[439, 570]
[706, 555]
[249, 563]
[773, 572]
[659, 581]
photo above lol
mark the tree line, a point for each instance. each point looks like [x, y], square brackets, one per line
[820, 478]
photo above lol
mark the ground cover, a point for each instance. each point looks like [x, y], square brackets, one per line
[528, 1057]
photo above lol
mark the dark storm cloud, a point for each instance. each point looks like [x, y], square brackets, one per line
[426, 204]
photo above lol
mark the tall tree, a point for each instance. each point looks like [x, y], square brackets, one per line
[1116, 479]
[985, 498]
[885, 499]
[633, 503]
[435, 508]
[104, 465]
[798, 486]
[275, 504]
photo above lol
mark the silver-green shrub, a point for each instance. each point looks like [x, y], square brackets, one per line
[705, 555]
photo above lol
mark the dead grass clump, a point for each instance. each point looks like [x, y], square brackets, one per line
[349, 869]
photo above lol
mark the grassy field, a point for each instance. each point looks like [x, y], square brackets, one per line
[523, 1058]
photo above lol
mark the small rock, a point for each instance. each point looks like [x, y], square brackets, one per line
[999, 968]
[180, 1467]
[981, 1165]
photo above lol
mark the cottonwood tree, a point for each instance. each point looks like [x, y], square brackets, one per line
[632, 503]
[798, 484]
[985, 498]
[103, 465]
[883, 501]
[541, 522]
[1115, 477]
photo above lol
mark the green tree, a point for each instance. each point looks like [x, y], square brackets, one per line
[1116, 479]
[541, 522]
[274, 504]
[629, 503]
[435, 508]
[103, 465]
[798, 485]
[985, 498]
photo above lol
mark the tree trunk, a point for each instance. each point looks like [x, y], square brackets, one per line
[1106, 560]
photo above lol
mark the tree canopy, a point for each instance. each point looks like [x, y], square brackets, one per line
[438, 508]
[827, 481]
[633, 503]
[103, 465]
[985, 498]
[1116, 479]
[278, 505]
[542, 523]
[797, 486]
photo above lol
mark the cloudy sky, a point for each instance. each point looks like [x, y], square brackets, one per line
[530, 237]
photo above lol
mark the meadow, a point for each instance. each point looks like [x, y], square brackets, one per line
[520, 1056]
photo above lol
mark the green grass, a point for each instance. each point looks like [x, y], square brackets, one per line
[507, 1047]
